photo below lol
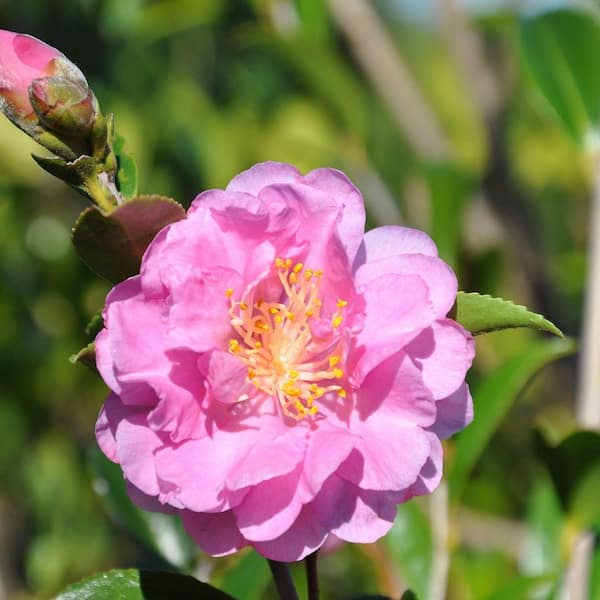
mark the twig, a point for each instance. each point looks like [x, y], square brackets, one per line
[283, 580]
[312, 577]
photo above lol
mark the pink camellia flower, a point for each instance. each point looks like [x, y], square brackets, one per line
[23, 60]
[277, 374]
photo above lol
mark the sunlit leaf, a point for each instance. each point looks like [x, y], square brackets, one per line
[493, 397]
[127, 171]
[113, 245]
[247, 578]
[561, 48]
[131, 584]
[481, 313]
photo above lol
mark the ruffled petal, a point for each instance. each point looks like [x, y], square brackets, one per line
[217, 534]
[454, 413]
[261, 175]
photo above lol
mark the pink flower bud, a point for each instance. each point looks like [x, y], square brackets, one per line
[23, 59]
[64, 106]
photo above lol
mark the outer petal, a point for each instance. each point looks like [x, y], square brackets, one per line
[391, 240]
[217, 534]
[444, 352]
[352, 223]
[270, 508]
[431, 473]
[136, 445]
[397, 308]
[388, 457]
[305, 536]
[353, 514]
[261, 175]
[437, 275]
[111, 414]
[225, 374]
[454, 413]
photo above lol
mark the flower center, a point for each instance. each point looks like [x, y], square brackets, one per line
[284, 359]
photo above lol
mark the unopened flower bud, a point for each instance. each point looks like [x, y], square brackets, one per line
[62, 105]
[24, 59]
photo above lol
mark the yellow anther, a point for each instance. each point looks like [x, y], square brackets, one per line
[313, 388]
[278, 319]
[257, 345]
[338, 373]
[279, 263]
[300, 407]
[319, 392]
[337, 321]
[298, 267]
[251, 373]
[234, 346]
[273, 310]
[243, 306]
[318, 303]
[261, 325]
[229, 292]
[313, 410]
[292, 277]
[341, 303]
[288, 263]
[318, 273]
[310, 401]
[291, 316]
[294, 374]
[342, 393]
[309, 313]
[308, 274]
[334, 360]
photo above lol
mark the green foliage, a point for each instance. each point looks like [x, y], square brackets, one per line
[131, 584]
[113, 245]
[481, 313]
[561, 49]
[493, 398]
[127, 170]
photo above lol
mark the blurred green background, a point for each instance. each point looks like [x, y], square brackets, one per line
[436, 112]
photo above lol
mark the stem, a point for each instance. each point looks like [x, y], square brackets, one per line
[438, 511]
[283, 580]
[312, 578]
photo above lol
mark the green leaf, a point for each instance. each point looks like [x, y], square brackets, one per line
[247, 578]
[314, 17]
[161, 533]
[127, 169]
[481, 313]
[410, 544]
[113, 245]
[584, 509]
[493, 397]
[523, 587]
[131, 584]
[561, 49]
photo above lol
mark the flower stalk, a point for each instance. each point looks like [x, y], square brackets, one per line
[283, 580]
[312, 577]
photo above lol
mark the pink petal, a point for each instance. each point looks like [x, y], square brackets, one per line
[136, 445]
[226, 376]
[305, 536]
[328, 449]
[444, 353]
[395, 389]
[391, 240]
[388, 457]
[352, 514]
[217, 534]
[397, 308]
[270, 508]
[148, 503]
[454, 413]
[431, 473]
[338, 187]
[256, 465]
[113, 411]
[198, 468]
[437, 275]
[261, 175]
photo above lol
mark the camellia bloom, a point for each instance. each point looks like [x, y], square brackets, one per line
[277, 375]
[56, 83]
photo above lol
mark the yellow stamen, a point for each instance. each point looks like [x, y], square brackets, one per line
[337, 321]
[229, 292]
